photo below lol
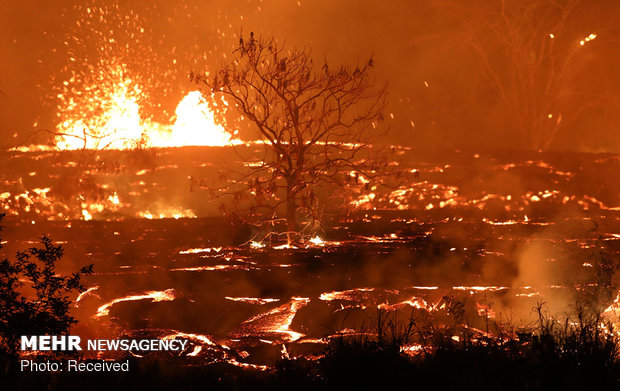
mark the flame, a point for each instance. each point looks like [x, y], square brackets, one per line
[114, 199]
[613, 310]
[170, 213]
[194, 125]
[485, 310]
[118, 114]
[317, 241]
[86, 215]
[413, 349]
[108, 116]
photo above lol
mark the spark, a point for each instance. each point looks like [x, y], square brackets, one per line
[587, 39]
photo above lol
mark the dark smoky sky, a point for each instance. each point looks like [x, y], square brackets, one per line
[439, 95]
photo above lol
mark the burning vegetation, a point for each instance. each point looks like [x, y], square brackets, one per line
[287, 218]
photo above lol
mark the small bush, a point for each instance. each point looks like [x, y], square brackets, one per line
[34, 299]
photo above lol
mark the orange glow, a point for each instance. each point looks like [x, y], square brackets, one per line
[174, 213]
[343, 295]
[194, 125]
[207, 340]
[317, 241]
[278, 320]
[108, 115]
[87, 292]
[252, 300]
[587, 39]
[156, 296]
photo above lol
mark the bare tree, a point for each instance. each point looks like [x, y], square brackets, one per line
[316, 124]
[532, 62]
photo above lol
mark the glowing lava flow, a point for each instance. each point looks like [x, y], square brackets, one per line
[197, 337]
[85, 293]
[350, 294]
[415, 302]
[206, 340]
[156, 296]
[278, 320]
[252, 300]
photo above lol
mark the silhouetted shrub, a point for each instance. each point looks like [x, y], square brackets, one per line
[34, 299]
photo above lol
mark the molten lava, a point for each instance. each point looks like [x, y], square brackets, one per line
[194, 125]
[155, 296]
[112, 119]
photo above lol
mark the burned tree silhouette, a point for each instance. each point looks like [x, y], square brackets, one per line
[317, 125]
[535, 63]
[34, 298]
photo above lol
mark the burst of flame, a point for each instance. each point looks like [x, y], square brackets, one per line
[108, 116]
[103, 116]
[114, 199]
[107, 97]
[194, 125]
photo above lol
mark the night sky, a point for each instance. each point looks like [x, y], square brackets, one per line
[439, 93]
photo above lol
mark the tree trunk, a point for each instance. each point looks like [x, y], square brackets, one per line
[291, 207]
